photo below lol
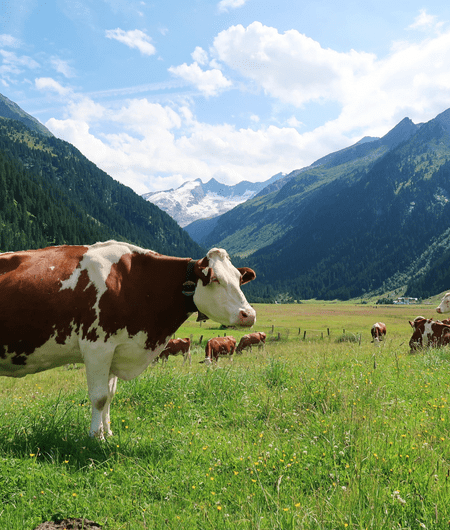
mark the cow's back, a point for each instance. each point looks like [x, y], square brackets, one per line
[219, 346]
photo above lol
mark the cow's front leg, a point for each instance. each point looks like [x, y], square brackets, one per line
[101, 385]
[112, 385]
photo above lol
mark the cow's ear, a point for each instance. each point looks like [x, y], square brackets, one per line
[247, 275]
[205, 272]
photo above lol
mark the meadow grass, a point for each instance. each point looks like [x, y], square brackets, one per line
[320, 433]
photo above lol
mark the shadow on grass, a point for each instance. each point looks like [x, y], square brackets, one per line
[58, 433]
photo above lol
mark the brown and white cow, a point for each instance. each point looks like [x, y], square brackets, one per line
[112, 306]
[247, 341]
[428, 333]
[444, 306]
[219, 347]
[176, 347]
[378, 331]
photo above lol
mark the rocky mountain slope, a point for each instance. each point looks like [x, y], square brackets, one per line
[194, 200]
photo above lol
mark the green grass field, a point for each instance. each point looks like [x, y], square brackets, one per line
[314, 432]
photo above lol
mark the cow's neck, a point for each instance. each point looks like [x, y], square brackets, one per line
[177, 306]
[151, 300]
[188, 288]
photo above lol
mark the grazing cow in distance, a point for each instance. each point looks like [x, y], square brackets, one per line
[378, 331]
[444, 306]
[428, 333]
[247, 341]
[112, 306]
[219, 347]
[176, 347]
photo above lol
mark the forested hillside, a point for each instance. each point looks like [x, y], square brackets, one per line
[373, 227]
[34, 214]
[51, 194]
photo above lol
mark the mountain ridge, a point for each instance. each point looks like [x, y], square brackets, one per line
[194, 200]
[10, 110]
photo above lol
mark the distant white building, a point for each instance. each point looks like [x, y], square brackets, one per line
[406, 300]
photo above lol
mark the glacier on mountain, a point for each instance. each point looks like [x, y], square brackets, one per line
[194, 200]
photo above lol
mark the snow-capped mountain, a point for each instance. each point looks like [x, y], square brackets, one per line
[194, 200]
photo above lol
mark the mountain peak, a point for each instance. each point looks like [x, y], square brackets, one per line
[444, 119]
[12, 111]
[400, 133]
[194, 200]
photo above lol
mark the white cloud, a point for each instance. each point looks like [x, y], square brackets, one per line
[424, 21]
[162, 146]
[293, 122]
[62, 67]
[199, 55]
[209, 82]
[372, 93]
[13, 64]
[9, 40]
[47, 83]
[224, 5]
[290, 66]
[134, 39]
[84, 109]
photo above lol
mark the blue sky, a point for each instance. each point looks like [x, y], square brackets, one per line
[159, 92]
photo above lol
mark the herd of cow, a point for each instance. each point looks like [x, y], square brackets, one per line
[215, 347]
[427, 333]
[113, 306]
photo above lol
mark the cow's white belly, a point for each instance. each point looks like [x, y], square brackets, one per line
[131, 357]
[50, 355]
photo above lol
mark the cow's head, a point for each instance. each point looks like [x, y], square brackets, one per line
[444, 306]
[218, 293]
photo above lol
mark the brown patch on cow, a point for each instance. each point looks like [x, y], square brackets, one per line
[100, 403]
[219, 347]
[32, 304]
[200, 267]
[19, 360]
[144, 294]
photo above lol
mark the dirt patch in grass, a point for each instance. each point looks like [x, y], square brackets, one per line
[68, 524]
